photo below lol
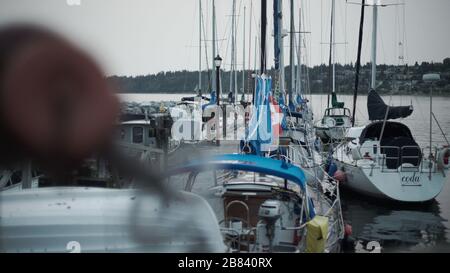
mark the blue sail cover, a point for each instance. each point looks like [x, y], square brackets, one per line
[260, 125]
[212, 101]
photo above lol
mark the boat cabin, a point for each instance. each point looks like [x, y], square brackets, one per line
[340, 115]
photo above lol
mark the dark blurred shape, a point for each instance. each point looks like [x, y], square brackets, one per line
[55, 105]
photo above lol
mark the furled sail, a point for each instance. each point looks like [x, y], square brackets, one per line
[377, 108]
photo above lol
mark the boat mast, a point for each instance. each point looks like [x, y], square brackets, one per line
[291, 55]
[358, 59]
[330, 58]
[200, 48]
[250, 44]
[232, 74]
[374, 46]
[243, 56]
[299, 53]
[333, 42]
[263, 35]
[278, 35]
[213, 42]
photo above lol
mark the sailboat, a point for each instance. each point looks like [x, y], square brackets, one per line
[264, 204]
[298, 128]
[382, 159]
[336, 119]
[246, 189]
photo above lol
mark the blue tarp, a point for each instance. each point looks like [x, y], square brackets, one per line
[212, 101]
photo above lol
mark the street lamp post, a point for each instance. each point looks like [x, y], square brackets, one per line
[218, 63]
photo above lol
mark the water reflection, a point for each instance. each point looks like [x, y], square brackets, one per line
[397, 227]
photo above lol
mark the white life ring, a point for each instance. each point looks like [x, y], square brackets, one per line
[443, 159]
[330, 122]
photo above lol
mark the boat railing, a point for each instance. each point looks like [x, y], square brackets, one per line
[394, 156]
[403, 157]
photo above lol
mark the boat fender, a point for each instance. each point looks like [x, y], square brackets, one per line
[348, 230]
[356, 154]
[443, 161]
[340, 176]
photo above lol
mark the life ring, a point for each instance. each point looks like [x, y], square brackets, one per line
[443, 159]
[330, 122]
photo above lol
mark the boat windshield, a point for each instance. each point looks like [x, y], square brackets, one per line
[337, 112]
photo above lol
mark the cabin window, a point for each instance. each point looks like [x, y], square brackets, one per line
[151, 132]
[138, 135]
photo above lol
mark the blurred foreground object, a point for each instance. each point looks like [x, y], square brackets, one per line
[55, 105]
[106, 220]
[57, 110]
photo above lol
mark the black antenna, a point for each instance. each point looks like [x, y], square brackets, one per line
[358, 60]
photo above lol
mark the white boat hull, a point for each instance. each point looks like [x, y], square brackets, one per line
[331, 133]
[398, 186]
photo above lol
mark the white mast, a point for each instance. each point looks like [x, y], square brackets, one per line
[243, 57]
[213, 44]
[333, 43]
[200, 47]
[374, 46]
[299, 54]
[232, 74]
[291, 53]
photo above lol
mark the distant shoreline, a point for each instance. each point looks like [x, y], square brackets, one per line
[361, 93]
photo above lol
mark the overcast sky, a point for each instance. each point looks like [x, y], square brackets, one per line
[138, 37]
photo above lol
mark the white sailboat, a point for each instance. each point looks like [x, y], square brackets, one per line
[336, 119]
[382, 158]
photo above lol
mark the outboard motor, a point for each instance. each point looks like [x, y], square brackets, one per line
[269, 225]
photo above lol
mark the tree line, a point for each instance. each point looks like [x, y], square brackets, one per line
[391, 78]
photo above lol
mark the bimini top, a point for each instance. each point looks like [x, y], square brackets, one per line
[250, 163]
[391, 130]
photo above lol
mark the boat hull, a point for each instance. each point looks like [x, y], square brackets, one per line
[398, 186]
[327, 134]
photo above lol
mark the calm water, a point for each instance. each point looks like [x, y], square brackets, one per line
[398, 228]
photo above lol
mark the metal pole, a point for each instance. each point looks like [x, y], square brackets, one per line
[263, 35]
[243, 57]
[431, 131]
[431, 119]
[358, 60]
[291, 55]
[299, 53]
[280, 27]
[217, 102]
[233, 42]
[213, 39]
[333, 44]
[200, 48]
[374, 46]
